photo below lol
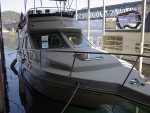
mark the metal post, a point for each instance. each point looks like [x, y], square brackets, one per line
[40, 59]
[103, 31]
[73, 63]
[129, 73]
[34, 7]
[136, 109]
[2, 69]
[64, 5]
[2, 58]
[25, 5]
[76, 9]
[88, 25]
[41, 3]
[142, 34]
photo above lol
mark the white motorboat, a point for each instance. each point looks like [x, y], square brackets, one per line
[59, 62]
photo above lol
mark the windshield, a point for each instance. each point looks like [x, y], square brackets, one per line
[77, 39]
[49, 40]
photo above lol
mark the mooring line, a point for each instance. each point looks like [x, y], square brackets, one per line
[71, 98]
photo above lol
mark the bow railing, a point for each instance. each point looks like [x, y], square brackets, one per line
[36, 57]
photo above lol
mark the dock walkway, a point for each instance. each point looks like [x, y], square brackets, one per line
[2, 94]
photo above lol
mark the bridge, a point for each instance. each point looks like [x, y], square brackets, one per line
[111, 11]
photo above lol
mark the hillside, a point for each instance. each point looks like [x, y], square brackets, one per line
[10, 17]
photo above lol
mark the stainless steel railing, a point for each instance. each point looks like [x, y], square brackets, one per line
[38, 51]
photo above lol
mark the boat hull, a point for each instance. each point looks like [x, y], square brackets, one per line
[63, 92]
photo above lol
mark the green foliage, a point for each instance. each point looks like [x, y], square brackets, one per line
[10, 17]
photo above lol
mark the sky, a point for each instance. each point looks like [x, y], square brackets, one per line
[18, 5]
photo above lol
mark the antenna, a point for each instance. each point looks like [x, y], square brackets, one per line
[41, 2]
[64, 5]
[34, 7]
[61, 13]
[25, 4]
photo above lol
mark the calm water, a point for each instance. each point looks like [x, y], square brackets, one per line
[23, 99]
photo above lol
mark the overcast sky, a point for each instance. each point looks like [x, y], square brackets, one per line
[18, 5]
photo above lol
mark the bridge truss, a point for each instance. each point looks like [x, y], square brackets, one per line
[111, 11]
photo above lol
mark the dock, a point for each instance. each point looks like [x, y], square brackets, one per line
[2, 93]
[2, 71]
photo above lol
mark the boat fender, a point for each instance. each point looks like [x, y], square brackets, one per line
[13, 63]
[14, 70]
[23, 60]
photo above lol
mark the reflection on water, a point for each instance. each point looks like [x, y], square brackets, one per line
[23, 99]
[10, 45]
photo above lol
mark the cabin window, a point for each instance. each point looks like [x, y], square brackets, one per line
[51, 40]
[77, 39]
[44, 40]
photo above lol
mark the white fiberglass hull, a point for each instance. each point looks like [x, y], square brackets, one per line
[62, 92]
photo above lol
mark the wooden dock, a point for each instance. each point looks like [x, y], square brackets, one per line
[2, 91]
[2, 70]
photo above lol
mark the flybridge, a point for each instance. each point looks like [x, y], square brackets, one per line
[58, 11]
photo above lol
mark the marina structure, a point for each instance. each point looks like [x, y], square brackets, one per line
[126, 39]
[2, 70]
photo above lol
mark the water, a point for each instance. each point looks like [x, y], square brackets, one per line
[15, 105]
[23, 99]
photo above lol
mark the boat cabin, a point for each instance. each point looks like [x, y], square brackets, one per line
[59, 40]
[50, 29]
